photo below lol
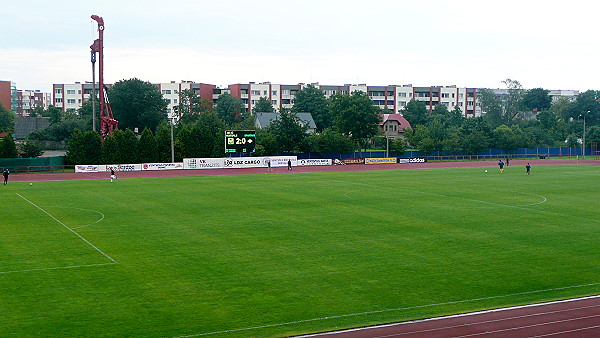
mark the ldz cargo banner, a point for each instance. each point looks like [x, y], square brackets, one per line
[203, 163]
[162, 166]
[314, 162]
[257, 162]
[386, 160]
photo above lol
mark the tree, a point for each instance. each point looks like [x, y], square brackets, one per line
[191, 105]
[355, 116]
[137, 104]
[84, 148]
[7, 120]
[398, 147]
[311, 99]
[491, 105]
[592, 135]
[8, 148]
[163, 142]
[513, 100]
[537, 99]
[54, 113]
[147, 148]
[31, 149]
[416, 113]
[263, 105]
[474, 135]
[588, 105]
[230, 109]
[289, 132]
[121, 147]
[330, 140]
[508, 138]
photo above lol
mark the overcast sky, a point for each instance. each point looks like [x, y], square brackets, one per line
[549, 44]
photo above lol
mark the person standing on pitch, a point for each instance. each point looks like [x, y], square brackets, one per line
[507, 161]
[269, 164]
[528, 169]
[5, 173]
[501, 165]
[112, 175]
[289, 164]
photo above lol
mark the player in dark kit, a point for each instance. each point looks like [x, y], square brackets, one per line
[501, 165]
[528, 169]
[5, 173]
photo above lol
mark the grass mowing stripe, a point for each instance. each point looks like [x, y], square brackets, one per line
[57, 268]
[73, 231]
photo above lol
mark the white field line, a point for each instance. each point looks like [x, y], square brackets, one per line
[85, 225]
[57, 268]
[73, 231]
[401, 309]
[521, 207]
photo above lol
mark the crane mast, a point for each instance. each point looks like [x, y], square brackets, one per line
[107, 122]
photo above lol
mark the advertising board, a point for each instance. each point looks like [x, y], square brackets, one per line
[386, 160]
[307, 162]
[162, 166]
[203, 163]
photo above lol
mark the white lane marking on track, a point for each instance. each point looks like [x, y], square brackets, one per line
[457, 316]
[73, 231]
[569, 331]
[491, 321]
[403, 309]
[527, 326]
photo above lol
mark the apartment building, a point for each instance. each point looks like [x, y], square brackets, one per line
[392, 98]
[29, 100]
[8, 95]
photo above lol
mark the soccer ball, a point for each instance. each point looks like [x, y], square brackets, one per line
[486, 170]
[30, 183]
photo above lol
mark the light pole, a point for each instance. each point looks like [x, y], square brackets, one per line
[583, 139]
[172, 144]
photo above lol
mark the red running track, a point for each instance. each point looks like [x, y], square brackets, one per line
[568, 318]
[516, 164]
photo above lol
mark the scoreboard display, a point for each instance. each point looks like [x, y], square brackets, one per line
[240, 141]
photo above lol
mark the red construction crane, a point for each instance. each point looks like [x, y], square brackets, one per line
[107, 122]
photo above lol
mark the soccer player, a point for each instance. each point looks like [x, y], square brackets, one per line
[112, 175]
[5, 173]
[289, 164]
[501, 165]
[528, 169]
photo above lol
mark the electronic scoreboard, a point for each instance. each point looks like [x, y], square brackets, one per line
[240, 141]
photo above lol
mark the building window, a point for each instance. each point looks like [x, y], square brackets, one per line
[401, 94]
[256, 93]
[265, 92]
[286, 92]
[168, 101]
[274, 102]
[445, 95]
[175, 101]
[58, 100]
[274, 93]
[166, 91]
[58, 91]
[70, 91]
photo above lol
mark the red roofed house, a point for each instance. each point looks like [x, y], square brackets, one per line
[393, 125]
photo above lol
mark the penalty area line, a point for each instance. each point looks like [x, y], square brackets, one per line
[71, 230]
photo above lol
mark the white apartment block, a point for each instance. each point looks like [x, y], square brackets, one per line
[392, 98]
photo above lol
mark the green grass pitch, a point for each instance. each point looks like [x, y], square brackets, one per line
[285, 254]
